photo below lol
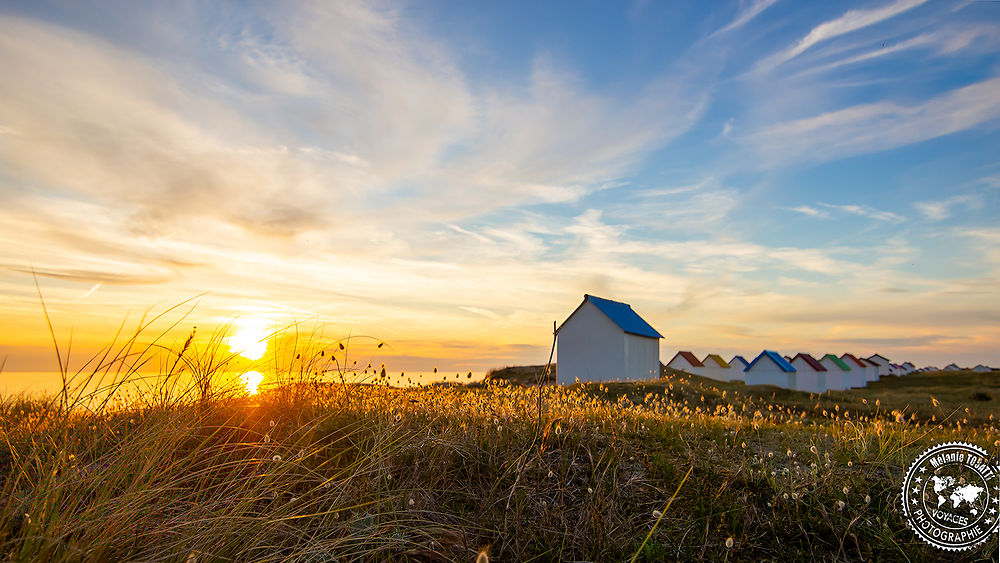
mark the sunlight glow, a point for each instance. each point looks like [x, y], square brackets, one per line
[251, 380]
[249, 338]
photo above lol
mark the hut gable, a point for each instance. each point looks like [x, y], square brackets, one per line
[686, 361]
[770, 368]
[775, 358]
[605, 340]
[739, 362]
[836, 361]
[810, 375]
[852, 360]
[621, 314]
[809, 361]
[838, 374]
[715, 360]
[719, 369]
[883, 363]
[859, 371]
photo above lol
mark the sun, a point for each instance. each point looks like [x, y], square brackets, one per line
[251, 380]
[249, 338]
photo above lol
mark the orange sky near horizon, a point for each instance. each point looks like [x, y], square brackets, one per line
[800, 177]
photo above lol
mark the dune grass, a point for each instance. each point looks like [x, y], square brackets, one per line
[319, 468]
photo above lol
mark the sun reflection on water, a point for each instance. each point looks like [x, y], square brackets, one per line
[251, 380]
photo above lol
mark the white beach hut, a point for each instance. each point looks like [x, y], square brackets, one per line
[838, 374]
[770, 368]
[882, 362]
[858, 376]
[871, 369]
[909, 367]
[687, 362]
[717, 368]
[738, 363]
[604, 340]
[810, 375]
[982, 369]
[951, 367]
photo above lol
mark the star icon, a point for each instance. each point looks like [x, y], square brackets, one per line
[923, 469]
[993, 511]
[919, 479]
[916, 490]
[914, 502]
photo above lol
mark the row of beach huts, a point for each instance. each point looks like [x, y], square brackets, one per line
[803, 372]
[605, 340]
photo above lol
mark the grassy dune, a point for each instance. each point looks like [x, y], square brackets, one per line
[314, 469]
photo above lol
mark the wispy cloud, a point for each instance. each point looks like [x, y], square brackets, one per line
[865, 211]
[809, 210]
[942, 209]
[699, 207]
[852, 20]
[745, 16]
[879, 126]
[946, 41]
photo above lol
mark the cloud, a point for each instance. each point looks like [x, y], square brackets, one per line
[700, 207]
[942, 209]
[946, 41]
[865, 211]
[988, 241]
[123, 278]
[809, 210]
[851, 20]
[554, 142]
[902, 342]
[877, 126]
[992, 181]
[745, 16]
[482, 312]
[727, 127]
[796, 282]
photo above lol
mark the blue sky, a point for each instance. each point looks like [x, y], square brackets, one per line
[453, 177]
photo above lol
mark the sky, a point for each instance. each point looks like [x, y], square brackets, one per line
[452, 177]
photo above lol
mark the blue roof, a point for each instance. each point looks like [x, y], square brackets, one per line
[776, 358]
[740, 358]
[623, 316]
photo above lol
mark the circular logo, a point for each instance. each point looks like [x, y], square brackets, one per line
[951, 498]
